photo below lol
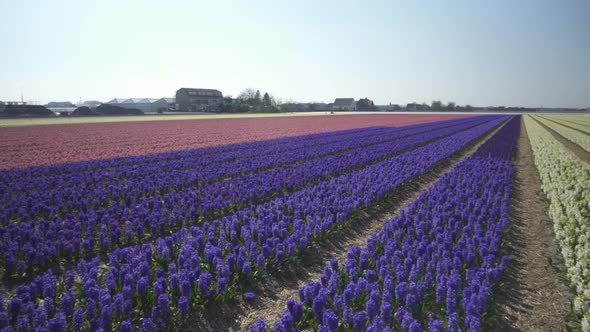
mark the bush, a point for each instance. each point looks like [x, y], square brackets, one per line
[84, 111]
[25, 110]
[105, 109]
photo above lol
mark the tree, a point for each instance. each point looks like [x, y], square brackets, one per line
[437, 105]
[266, 101]
[247, 94]
[257, 98]
[451, 106]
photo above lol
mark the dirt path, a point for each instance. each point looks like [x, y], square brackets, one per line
[275, 291]
[573, 147]
[532, 295]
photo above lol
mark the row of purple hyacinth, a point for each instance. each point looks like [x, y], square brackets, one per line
[156, 286]
[135, 218]
[432, 267]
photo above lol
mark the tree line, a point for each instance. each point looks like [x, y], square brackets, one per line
[249, 100]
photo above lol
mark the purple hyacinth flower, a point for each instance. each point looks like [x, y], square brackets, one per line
[183, 306]
[334, 264]
[67, 303]
[330, 320]
[58, 323]
[4, 319]
[318, 306]
[249, 296]
[78, 320]
[49, 306]
[348, 315]
[186, 288]
[436, 325]
[147, 325]
[372, 308]
[70, 278]
[106, 318]
[142, 288]
[247, 268]
[205, 283]
[126, 326]
[359, 321]
[15, 307]
[287, 321]
[415, 326]
[259, 326]
[221, 285]
[40, 319]
[22, 323]
[164, 306]
[386, 312]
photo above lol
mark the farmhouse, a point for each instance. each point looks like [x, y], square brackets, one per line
[365, 104]
[188, 99]
[344, 104]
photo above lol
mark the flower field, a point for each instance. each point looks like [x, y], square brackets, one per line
[151, 226]
[566, 181]
[57, 144]
[433, 267]
[573, 134]
[573, 122]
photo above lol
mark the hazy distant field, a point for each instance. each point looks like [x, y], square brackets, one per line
[105, 119]
[27, 145]
[67, 120]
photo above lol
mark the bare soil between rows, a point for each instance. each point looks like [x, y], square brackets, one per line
[532, 295]
[274, 290]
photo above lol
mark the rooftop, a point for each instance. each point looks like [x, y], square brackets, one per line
[133, 100]
[343, 101]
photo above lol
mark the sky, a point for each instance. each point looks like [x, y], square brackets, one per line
[529, 53]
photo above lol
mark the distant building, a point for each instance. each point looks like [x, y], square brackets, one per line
[344, 104]
[4, 104]
[319, 107]
[91, 103]
[365, 105]
[146, 105]
[191, 100]
[389, 108]
[305, 107]
[413, 107]
[13, 102]
[169, 102]
[60, 104]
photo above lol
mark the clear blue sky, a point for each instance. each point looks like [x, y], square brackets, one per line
[493, 52]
